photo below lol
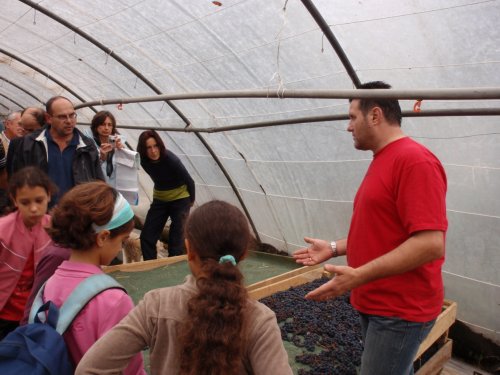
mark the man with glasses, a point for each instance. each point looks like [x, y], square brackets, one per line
[61, 150]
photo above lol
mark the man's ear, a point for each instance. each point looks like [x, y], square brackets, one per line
[101, 237]
[376, 116]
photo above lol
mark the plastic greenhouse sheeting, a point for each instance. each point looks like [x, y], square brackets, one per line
[292, 180]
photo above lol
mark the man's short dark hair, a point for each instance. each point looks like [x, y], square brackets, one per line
[390, 107]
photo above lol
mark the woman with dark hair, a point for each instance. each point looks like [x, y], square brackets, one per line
[103, 127]
[206, 326]
[92, 220]
[173, 195]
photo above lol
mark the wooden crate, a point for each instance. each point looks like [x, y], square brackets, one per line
[438, 335]
[144, 265]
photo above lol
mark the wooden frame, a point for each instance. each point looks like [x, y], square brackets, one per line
[439, 331]
[303, 275]
[144, 265]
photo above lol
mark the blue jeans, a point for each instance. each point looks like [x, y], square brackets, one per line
[390, 344]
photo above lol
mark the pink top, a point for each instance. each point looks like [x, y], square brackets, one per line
[17, 244]
[101, 313]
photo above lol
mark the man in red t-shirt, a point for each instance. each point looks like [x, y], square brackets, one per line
[396, 242]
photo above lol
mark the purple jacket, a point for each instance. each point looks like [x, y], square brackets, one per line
[52, 257]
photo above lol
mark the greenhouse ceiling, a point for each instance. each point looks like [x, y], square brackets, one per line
[251, 94]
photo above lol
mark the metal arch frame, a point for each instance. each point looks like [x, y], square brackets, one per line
[13, 101]
[105, 49]
[333, 41]
[326, 118]
[154, 88]
[478, 93]
[48, 76]
[436, 94]
[22, 89]
[314, 13]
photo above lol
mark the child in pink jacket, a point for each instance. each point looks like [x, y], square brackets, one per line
[92, 220]
[22, 241]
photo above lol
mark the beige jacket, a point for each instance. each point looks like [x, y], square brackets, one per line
[153, 323]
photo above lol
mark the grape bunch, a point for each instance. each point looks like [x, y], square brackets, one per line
[329, 332]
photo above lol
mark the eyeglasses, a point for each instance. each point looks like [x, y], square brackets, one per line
[71, 116]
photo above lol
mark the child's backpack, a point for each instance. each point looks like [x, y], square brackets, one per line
[38, 347]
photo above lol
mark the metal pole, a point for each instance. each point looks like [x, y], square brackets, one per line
[22, 89]
[233, 186]
[101, 46]
[479, 93]
[48, 76]
[311, 119]
[141, 77]
[323, 25]
[11, 100]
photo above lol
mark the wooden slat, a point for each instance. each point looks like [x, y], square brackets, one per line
[312, 273]
[144, 265]
[155, 263]
[435, 364]
[443, 323]
[284, 276]
[270, 286]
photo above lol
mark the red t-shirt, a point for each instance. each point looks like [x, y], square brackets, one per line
[14, 308]
[403, 192]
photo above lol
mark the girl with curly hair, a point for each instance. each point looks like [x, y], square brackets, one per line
[206, 326]
[92, 220]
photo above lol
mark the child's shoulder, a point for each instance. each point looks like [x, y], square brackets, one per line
[8, 225]
[113, 299]
[9, 217]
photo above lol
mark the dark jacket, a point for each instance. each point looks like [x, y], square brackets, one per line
[32, 150]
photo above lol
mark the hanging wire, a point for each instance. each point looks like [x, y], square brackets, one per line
[277, 75]
[34, 17]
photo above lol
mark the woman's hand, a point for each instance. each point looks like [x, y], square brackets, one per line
[104, 150]
[118, 143]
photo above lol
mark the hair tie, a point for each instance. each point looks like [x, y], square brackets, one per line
[122, 213]
[227, 259]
